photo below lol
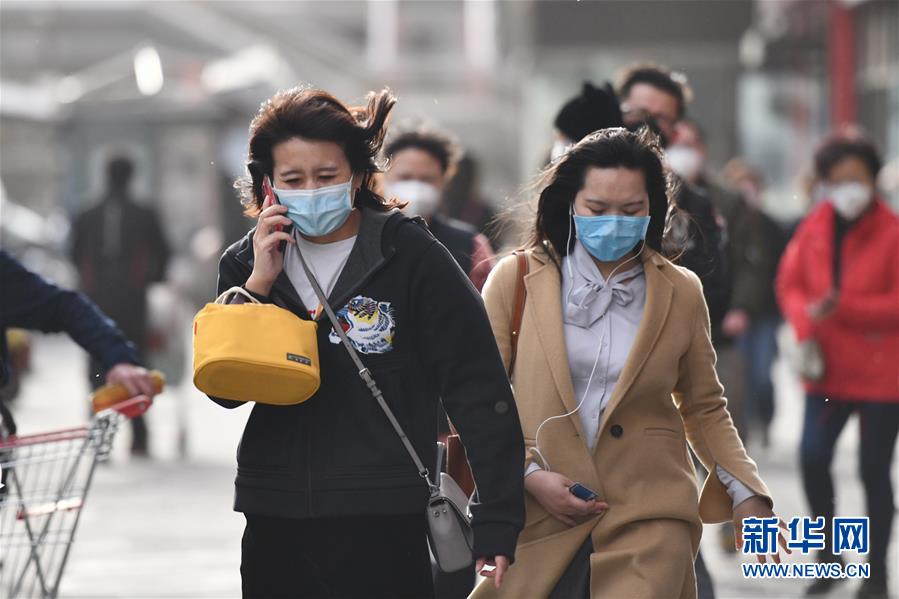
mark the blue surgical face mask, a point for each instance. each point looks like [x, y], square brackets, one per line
[608, 238]
[318, 212]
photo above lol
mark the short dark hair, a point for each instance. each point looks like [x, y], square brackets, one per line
[659, 77]
[840, 146]
[119, 171]
[608, 148]
[436, 142]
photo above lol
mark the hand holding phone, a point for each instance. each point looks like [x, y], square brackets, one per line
[269, 242]
[270, 200]
[269, 195]
[562, 497]
[582, 492]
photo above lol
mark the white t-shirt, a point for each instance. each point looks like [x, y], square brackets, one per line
[325, 260]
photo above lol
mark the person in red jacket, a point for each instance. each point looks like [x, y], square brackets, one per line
[838, 286]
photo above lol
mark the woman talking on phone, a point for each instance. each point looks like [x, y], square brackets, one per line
[614, 375]
[334, 504]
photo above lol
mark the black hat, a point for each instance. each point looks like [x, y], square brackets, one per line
[594, 108]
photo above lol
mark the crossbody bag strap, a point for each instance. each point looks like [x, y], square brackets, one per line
[518, 311]
[517, 314]
[365, 375]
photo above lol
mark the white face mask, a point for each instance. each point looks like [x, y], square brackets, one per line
[850, 199]
[684, 160]
[423, 198]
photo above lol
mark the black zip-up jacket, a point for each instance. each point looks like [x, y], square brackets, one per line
[702, 243]
[422, 330]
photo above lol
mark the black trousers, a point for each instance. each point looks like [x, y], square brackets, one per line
[824, 421]
[359, 556]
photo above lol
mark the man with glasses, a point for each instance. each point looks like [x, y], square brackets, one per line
[655, 96]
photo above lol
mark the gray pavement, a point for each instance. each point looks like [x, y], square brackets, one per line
[164, 527]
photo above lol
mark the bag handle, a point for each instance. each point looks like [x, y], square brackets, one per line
[239, 291]
[365, 375]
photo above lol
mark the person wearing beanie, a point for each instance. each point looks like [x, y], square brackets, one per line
[593, 109]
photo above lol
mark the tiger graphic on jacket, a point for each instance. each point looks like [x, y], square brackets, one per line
[369, 324]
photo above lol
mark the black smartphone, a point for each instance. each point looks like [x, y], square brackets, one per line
[582, 492]
[270, 194]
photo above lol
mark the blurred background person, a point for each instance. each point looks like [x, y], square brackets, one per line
[755, 245]
[463, 200]
[688, 157]
[592, 109]
[119, 249]
[653, 94]
[421, 162]
[838, 287]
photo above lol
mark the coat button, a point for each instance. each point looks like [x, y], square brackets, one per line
[616, 430]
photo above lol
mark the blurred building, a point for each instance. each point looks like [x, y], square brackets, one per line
[176, 83]
[807, 69]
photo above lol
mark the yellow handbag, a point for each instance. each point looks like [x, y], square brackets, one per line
[255, 352]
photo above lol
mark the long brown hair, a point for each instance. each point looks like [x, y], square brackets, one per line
[315, 114]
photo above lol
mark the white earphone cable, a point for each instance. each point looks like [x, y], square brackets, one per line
[536, 448]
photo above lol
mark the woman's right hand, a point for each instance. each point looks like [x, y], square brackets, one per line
[551, 490]
[268, 259]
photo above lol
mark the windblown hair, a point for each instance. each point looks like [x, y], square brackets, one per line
[315, 114]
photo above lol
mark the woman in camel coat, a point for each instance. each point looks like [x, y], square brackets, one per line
[612, 382]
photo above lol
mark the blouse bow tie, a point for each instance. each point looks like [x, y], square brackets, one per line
[590, 301]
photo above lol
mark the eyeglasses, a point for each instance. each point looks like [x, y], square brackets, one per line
[636, 115]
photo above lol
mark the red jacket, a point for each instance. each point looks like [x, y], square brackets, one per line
[860, 339]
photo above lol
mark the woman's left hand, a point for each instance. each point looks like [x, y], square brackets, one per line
[756, 507]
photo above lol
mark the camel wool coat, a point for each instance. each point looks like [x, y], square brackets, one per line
[667, 396]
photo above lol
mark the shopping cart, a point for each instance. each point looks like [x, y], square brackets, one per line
[46, 478]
